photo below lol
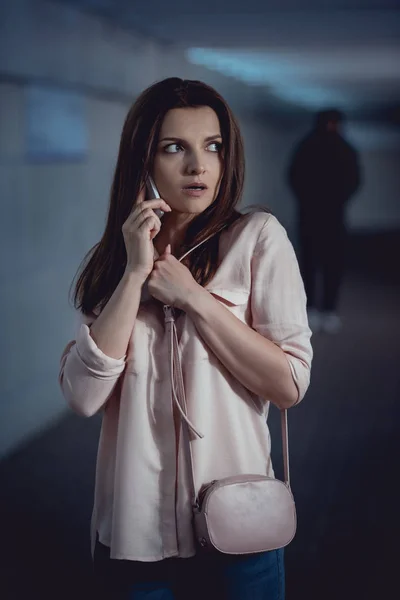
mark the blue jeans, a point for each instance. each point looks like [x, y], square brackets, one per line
[252, 577]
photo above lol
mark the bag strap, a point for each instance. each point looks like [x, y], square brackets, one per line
[180, 401]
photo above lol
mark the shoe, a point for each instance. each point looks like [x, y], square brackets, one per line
[314, 319]
[330, 322]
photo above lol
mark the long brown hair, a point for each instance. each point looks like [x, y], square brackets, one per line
[103, 266]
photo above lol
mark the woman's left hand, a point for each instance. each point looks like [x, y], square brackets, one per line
[171, 282]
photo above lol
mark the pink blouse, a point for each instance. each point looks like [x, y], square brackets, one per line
[142, 508]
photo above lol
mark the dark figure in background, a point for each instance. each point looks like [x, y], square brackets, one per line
[323, 175]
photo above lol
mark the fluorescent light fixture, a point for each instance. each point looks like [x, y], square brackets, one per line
[277, 73]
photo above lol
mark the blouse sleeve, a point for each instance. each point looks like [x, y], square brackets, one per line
[278, 301]
[88, 377]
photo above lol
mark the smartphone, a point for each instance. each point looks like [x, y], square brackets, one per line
[152, 192]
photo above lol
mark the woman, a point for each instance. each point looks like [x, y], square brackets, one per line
[244, 341]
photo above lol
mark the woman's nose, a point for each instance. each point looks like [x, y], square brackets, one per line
[195, 166]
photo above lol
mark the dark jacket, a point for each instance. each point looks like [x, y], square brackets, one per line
[324, 172]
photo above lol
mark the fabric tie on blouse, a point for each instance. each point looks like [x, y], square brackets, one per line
[175, 364]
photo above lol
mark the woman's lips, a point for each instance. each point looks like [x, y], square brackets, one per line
[194, 193]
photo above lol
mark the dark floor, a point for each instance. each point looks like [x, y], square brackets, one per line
[345, 451]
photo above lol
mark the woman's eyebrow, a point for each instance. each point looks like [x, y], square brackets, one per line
[207, 139]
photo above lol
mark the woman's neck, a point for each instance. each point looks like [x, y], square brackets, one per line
[172, 232]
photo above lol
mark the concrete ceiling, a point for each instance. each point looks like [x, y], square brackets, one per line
[331, 52]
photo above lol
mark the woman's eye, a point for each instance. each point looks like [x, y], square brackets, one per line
[215, 146]
[172, 148]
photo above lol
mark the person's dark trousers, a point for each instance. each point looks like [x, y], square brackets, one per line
[322, 247]
[253, 577]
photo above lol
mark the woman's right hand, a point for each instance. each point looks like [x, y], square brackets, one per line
[139, 230]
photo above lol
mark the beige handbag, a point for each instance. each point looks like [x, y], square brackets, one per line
[242, 514]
